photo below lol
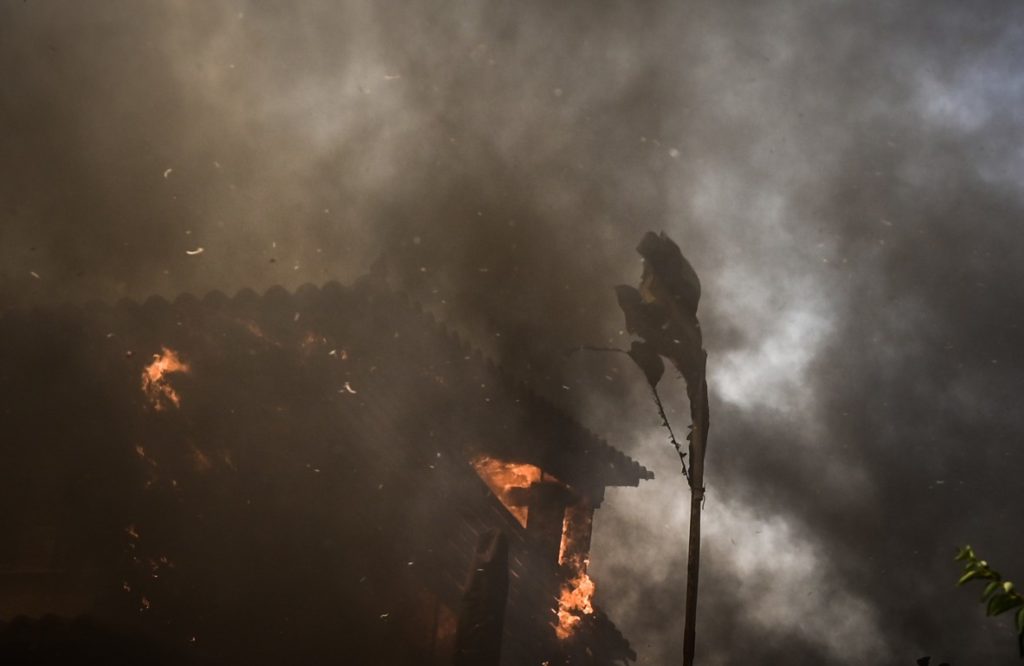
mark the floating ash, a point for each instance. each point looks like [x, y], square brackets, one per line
[155, 384]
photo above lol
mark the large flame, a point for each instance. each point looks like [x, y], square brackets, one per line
[503, 477]
[575, 601]
[577, 593]
[155, 383]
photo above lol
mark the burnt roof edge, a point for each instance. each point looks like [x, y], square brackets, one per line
[216, 298]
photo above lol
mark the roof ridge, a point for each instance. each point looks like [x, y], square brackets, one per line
[458, 339]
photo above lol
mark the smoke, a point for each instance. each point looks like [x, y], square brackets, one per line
[843, 176]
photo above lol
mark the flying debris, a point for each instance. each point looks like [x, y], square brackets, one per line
[167, 172]
[34, 274]
[192, 253]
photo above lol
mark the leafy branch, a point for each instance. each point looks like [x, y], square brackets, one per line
[662, 312]
[999, 596]
[653, 368]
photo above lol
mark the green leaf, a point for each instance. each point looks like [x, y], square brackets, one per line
[999, 596]
[965, 553]
[1001, 603]
[984, 574]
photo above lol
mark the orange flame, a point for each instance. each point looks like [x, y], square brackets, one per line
[575, 599]
[574, 602]
[502, 477]
[155, 383]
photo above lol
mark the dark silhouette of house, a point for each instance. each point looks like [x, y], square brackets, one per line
[290, 478]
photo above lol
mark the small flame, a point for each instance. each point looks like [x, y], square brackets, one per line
[564, 544]
[574, 602]
[502, 477]
[155, 383]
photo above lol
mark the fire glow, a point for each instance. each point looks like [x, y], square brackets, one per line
[507, 480]
[575, 601]
[503, 477]
[155, 384]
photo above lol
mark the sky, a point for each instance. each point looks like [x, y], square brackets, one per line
[844, 176]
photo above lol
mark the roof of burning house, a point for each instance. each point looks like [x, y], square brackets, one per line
[235, 470]
[427, 369]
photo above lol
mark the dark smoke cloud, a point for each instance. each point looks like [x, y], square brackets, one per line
[844, 177]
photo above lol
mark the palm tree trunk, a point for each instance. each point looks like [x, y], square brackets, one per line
[699, 412]
[692, 577]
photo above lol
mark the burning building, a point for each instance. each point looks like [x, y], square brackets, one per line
[291, 478]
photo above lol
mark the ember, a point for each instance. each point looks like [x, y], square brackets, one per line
[200, 461]
[312, 341]
[155, 384]
[502, 477]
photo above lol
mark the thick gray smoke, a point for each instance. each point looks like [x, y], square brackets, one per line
[844, 176]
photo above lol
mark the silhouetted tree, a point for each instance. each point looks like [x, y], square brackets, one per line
[663, 313]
